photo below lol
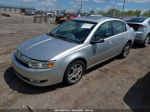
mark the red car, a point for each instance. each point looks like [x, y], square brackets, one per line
[65, 17]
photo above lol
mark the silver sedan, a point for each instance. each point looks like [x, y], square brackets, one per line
[141, 26]
[67, 51]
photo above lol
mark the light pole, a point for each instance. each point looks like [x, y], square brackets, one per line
[123, 7]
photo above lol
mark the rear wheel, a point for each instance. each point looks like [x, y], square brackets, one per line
[126, 50]
[146, 41]
[74, 72]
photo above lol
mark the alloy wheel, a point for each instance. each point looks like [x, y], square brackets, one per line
[75, 73]
[146, 42]
[126, 50]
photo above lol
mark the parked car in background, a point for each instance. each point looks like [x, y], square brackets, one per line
[71, 48]
[29, 13]
[39, 12]
[85, 14]
[51, 13]
[141, 26]
[65, 16]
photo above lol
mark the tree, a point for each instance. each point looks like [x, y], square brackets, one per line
[114, 12]
[146, 13]
[102, 13]
[138, 13]
[109, 12]
[92, 12]
[130, 13]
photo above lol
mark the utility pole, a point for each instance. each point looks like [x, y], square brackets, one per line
[22, 13]
[113, 10]
[81, 7]
[123, 7]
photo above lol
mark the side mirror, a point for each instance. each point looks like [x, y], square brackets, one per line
[93, 41]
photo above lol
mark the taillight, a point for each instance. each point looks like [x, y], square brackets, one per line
[143, 26]
[68, 18]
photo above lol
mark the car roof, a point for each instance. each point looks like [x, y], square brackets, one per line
[95, 19]
[137, 19]
[140, 17]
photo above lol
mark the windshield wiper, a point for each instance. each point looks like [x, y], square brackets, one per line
[62, 37]
[56, 36]
[53, 35]
[67, 39]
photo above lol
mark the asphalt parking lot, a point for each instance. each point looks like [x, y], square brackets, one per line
[115, 84]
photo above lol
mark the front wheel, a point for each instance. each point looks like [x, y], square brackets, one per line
[74, 72]
[126, 50]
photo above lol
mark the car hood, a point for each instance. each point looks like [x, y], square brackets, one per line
[44, 47]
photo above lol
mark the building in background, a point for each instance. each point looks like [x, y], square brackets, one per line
[15, 8]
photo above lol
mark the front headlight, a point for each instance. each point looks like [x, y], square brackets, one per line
[41, 64]
[34, 63]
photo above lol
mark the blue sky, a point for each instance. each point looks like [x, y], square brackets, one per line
[87, 4]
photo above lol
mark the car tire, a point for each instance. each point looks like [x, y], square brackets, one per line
[126, 50]
[146, 41]
[74, 72]
[49, 16]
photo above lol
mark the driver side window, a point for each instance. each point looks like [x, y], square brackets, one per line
[104, 31]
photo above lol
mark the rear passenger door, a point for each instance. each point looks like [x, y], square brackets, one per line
[119, 37]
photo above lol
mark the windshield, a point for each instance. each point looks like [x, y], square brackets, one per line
[73, 31]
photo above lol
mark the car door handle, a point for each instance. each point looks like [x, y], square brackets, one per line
[124, 36]
[110, 42]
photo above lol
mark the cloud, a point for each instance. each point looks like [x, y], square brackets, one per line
[109, 7]
[48, 2]
[96, 1]
[99, 8]
[79, 1]
[119, 4]
[71, 2]
[29, 0]
[139, 1]
[75, 3]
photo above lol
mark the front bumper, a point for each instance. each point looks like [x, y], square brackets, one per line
[37, 77]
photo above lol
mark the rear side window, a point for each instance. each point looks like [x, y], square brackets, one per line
[118, 27]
